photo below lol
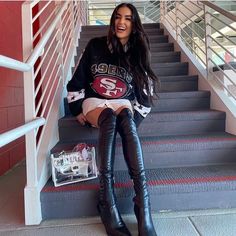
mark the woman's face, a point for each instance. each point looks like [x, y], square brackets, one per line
[123, 24]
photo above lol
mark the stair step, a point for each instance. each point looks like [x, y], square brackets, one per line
[158, 39]
[166, 123]
[162, 57]
[182, 101]
[151, 26]
[161, 47]
[170, 189]
[170, 69]
[183, 122]
[174, 101]
[173, 151]
[179, 83]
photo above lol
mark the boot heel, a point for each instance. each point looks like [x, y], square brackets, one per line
[112, 221]
[145, 224]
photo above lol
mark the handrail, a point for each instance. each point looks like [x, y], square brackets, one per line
[26, 66]
[16, 133]
[220, 10]
[10, 63]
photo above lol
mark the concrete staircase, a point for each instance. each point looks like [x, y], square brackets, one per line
[190, 159]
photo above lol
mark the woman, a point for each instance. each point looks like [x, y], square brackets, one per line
[111, 89]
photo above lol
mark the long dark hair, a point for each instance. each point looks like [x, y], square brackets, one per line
[137, 58]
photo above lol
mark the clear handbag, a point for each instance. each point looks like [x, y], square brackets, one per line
[74, 166]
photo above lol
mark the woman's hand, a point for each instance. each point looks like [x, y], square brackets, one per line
[81, 119]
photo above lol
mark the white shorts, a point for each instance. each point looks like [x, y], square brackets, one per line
[90, 104]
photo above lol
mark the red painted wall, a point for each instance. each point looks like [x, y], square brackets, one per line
[11, 83]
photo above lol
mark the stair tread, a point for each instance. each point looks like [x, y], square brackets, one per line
[168, 53]
[184, 94]
[178, 77]
[153, 45]
[185, 115]
[172, 115]
[165, 180]
[168, 64]
[219, 139]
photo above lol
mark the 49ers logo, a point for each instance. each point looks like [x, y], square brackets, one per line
[109, 87]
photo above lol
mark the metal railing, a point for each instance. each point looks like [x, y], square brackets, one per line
[48, 54]
[209, 33]
[99, 12]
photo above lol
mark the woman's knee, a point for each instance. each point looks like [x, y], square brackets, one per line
[93, 116]
[124, 110]
[102, 115]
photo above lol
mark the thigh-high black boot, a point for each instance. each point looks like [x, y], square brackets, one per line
[133, 156]
[107, 208]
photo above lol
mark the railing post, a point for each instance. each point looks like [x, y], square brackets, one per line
[60, 48]
[86, 9]
[208, 40]
[162, 11]
[178, 28]
[78, 7]
[144, 12]
[33, 213]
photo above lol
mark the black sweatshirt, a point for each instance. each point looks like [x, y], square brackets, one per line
[100, 74]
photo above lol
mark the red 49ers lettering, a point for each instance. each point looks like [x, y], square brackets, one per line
[109, 87]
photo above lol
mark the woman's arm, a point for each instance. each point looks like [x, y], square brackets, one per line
[140, 112]
[77, 85]
[142, 104]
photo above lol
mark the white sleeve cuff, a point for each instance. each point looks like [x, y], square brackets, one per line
[141, 109]
[74, 96]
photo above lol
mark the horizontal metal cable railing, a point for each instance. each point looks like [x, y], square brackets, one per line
[48, 52]
[209, 33]
[99, 12]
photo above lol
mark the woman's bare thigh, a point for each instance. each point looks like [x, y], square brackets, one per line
[92, 116]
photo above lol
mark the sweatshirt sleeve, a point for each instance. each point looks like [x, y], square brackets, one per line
[77, 85]
[142, 107]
